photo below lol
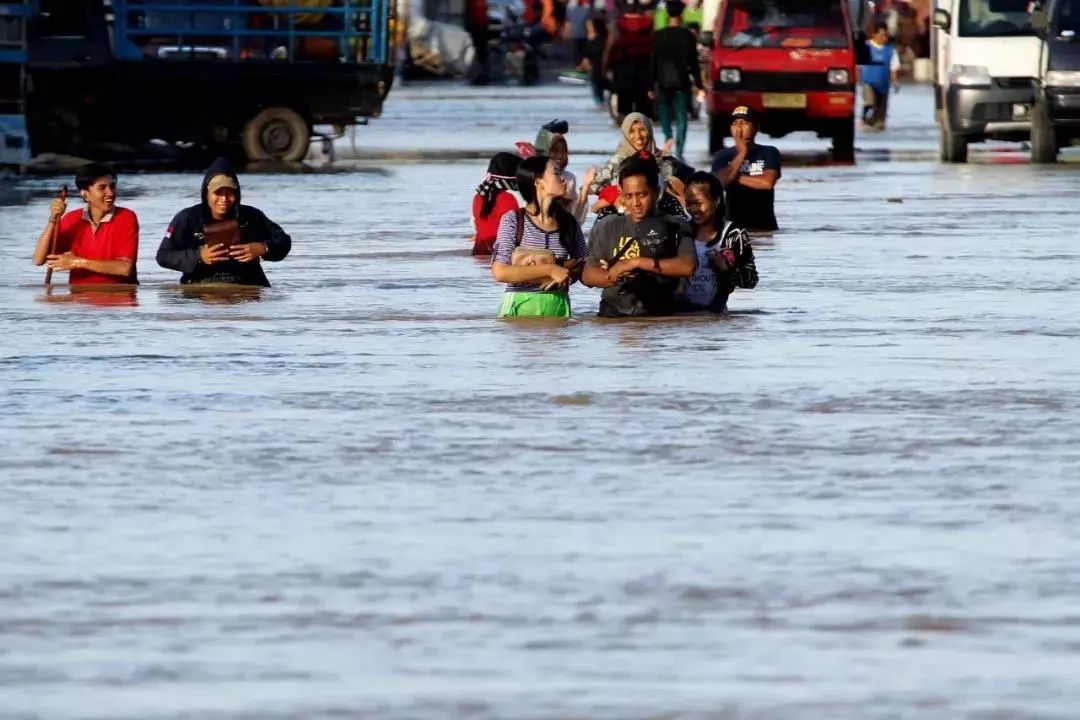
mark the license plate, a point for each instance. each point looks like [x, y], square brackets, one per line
[1021, 111]
[784, 100]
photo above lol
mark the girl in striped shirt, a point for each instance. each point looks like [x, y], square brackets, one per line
[538, 290]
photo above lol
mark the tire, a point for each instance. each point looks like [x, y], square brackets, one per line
[953, 146]
[717, 133]
[1044, 146]
[277, 134]
[843, 140]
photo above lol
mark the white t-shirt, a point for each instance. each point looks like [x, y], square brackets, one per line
[701, 288]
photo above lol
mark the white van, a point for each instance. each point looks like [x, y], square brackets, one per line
[986, 60]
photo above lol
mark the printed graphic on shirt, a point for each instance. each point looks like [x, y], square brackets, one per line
[757, 167]
[651, 245]
[632, 251]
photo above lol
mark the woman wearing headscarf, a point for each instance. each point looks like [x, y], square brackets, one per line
[637, 139]
[495, 196]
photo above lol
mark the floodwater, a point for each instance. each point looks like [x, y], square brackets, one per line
[357, 494]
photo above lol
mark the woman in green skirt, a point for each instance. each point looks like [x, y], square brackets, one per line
[539, 249]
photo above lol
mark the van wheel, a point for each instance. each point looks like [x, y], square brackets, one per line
[276, 133]
[953, 146]
[1044, 147]
[717, 133]
[843, 140]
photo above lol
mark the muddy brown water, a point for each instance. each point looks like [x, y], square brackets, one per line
[357, 494]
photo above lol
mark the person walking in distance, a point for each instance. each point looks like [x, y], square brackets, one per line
[877, 77]
[628, 59]
[675, 70]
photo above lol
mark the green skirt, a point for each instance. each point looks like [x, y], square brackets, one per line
[554, 304]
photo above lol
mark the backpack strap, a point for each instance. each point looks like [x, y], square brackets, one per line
[519, 231]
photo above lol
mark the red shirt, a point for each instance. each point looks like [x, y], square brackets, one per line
[487, 228]
[116, 238]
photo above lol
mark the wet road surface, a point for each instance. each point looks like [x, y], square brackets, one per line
[356, 494]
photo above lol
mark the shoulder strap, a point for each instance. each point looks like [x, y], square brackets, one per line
[519, 231]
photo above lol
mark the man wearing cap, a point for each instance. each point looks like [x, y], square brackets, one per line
[184, 246]
[749, 173]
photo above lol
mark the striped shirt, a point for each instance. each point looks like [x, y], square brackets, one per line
[532, 237]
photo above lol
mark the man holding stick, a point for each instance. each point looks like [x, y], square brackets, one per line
[96, 245]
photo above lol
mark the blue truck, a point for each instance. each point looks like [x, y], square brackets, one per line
[249, 78]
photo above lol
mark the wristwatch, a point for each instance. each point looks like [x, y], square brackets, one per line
[656, 264]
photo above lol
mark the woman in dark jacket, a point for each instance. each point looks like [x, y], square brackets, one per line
[185, 248]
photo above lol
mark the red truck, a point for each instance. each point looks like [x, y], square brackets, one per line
[794, 61]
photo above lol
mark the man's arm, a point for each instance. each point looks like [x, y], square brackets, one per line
[605, 65]
[66, 262]
[595, 274]
[654, 66]
[693, 64]
[679, 266]
[767, 180]
[172, 254]
[278, 242]
[729, 173]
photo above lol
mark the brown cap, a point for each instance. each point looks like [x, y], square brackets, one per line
[220, 181]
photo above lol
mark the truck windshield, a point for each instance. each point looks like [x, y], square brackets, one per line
[994, 18]
[785, 23]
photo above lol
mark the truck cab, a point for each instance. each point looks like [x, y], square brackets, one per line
[793, 61]
[986, 60]
[246, 79]
[1055, 119]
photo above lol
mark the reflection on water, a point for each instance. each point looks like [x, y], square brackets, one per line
[95, 295]
[215, 293]
[855, 496]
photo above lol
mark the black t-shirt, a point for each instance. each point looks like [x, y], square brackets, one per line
[617, 237]
[675, 59]
[747, 207]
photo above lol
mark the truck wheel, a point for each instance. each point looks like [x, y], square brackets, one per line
[843, 140]
[717, 133]
[1044, 147]
[276, 133]
[953, 146]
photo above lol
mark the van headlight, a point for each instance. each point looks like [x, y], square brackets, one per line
[838, 76]
[730, 76]
[969, 76]
[1063, 78]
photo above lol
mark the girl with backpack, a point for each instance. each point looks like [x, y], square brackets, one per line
[495, 196]
[539, 249]
[725, 256]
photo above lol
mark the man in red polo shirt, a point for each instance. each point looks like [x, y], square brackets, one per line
[98, 244]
